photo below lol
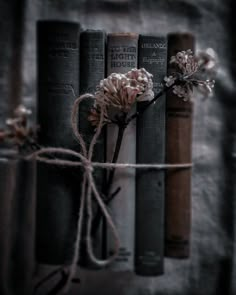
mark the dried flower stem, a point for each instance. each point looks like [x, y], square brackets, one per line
[115, 157]
[106, 190]
[122, 124]
[159, 94]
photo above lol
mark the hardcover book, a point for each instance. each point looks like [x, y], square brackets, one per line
[17, 223]
[8, 168]
[122, 57]
[92, 70]
[178, 150]
[57, 187]
[150, 185]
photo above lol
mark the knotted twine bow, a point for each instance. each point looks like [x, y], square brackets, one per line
[89, 187]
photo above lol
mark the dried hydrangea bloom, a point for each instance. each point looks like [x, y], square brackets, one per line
[122, 91]
[119, 93]
[190, 74]
[111, 92]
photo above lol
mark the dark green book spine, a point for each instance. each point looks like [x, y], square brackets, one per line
[150, 187]
[92, 70]
[57, 187]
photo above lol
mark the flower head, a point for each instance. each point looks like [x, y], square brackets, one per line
[186, 62]
[118, 93]
[17, 129]
[190, 73]
[122, 91]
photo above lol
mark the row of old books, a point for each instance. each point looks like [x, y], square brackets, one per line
[152, 209]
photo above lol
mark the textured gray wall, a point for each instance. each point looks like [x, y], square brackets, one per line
[212, 266]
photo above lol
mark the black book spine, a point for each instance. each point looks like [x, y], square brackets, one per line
[8, 170]
[23, 227]
[92, 70]
[57, 187]
[150, 186]
[17, 223]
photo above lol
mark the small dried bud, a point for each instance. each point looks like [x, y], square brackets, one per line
[207, 60]
[184, 92]
[206, 87]
[21, 110]
[169, 81]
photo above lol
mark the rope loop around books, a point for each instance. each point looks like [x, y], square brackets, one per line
[88, 188]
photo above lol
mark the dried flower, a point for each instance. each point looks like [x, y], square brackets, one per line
[18, 130]
[190, 72]
[144, 79]
[207, 60]
[206, 87]
[186, 62]
[94, 116]
[21, 110]
[118, 93]
[169, 81]
[122, 91]
[20, 119]
[184, 92]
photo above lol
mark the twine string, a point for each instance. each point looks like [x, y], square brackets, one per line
[84, 162]
[89, 189]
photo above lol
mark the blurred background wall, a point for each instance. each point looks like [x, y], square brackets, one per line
[212, 266]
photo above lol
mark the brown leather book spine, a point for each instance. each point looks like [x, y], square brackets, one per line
[178, 150]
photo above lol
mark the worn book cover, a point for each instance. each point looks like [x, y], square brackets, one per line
[122, 57]
[57, 187]
[92, 70]
[150, 148]
[178, 150]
